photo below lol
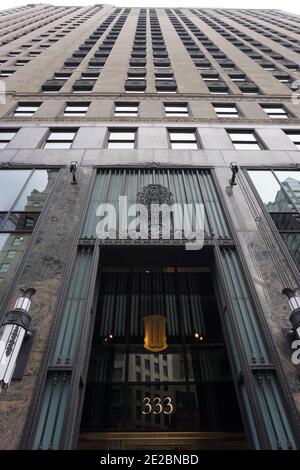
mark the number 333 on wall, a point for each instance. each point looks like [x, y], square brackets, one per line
[158, 406]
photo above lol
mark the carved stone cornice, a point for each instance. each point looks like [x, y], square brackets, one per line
[188, 120]
[148, 96]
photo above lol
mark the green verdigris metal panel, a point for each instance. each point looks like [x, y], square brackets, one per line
[187, 186]
[249, 414]
[274, 411]
[269, 398]
[73, 311]
[168, 294]
[227, 322]
[52, 413]
[243, 309]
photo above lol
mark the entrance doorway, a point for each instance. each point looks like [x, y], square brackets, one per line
[179, 398]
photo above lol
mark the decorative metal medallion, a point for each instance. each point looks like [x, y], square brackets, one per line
[155, 194]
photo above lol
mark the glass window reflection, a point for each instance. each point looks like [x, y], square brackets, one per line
[270, 191]
[290, 181]
[23, 195]
[8, 245]
[158, 367]
[280, 192]
[34, 195]
[11, 183]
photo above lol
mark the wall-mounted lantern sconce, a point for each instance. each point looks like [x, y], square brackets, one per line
[13, 330]
[234, 169]
[155, 335]
[294, 303]
[73, 170]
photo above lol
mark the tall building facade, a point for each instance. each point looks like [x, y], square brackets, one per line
[186, 107]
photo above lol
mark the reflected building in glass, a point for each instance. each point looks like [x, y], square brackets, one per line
[109, 110]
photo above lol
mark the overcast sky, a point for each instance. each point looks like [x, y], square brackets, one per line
[286, 5]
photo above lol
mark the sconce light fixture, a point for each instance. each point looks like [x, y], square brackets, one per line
[13, 330]
[155, 335]
[294, 303]
[235, 169]
[73, 170]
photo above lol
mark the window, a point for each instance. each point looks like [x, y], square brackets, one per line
[275, 111]
[210, 77]
[176, 109]
[244, 140]
[6, 135]
[136, 76]
[23, 194]
[76, 109]
[4, 267]
[283, 78]
[6, 73]
[17, 241]
[183, 139]
[295, 137]
[164, 76]
[90, 75]
[62, 75]
[226, 110]
[279, 191]
[238, 77]
[21, 62]
[126, 109]
[26, 109]
[121, 139]
[60, 138]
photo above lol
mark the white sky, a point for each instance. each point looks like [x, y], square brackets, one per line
[285, 5]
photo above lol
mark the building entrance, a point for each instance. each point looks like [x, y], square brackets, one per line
[180, 397]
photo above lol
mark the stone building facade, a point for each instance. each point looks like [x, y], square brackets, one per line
[169, 98]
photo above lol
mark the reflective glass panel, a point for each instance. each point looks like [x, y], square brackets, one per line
[270, 191]
[7, 248]
[11, 183]
[292, 241]
[248, 146]
[184, 145]
[180, 136]
[36, 191]
[290, 181]
[21, 221]
[61, 136]
[7, 135]
[120, 145]
[57, 145]
[122, 136]
[242, 137]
